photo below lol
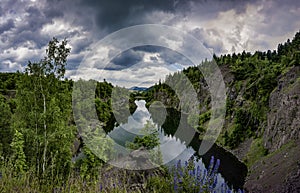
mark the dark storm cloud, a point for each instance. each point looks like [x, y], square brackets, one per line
[115, 14]
[4, 67]
[29, 29]
[84, 22]
[149, 49]
[128, 58]
[1, 11]
[52, 12]
[125, 60]
[104, 15]
[8, 6]
[7, 26]
[163, 56]
[281, 20]
[170, 57]
[81, 45]
[111, 15]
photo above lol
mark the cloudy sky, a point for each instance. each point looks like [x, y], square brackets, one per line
[222, 26]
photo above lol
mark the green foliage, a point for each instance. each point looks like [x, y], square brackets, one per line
[193, 120]
[149, 140]
[103, 109]
[256, 152]
[163, 93]
[243, 127]
[199, 121]
[204, 117]
[89, 165]
[98, 142]
[98, 149]
[103, 102]
[18, 157]
[159, 185]
[6, 132]
[29, 182]
[43, 111]
[8, 81]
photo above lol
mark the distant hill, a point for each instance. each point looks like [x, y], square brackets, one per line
[136, 88]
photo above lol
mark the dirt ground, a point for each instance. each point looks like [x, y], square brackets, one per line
[278, 172]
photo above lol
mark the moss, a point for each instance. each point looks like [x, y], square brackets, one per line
[286, 70]
[256, 152]
[289, 145]
[293, 85]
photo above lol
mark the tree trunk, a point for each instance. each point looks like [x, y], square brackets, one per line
[45, 131]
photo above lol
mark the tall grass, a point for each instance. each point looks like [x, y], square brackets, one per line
[185, 178]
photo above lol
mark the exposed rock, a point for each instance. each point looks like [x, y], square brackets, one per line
[137, 160]
[132, 180]
[283, 122]
[241, 151]
[278, 172]
[293, 182]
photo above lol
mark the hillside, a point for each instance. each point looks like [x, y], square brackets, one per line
[262, 110]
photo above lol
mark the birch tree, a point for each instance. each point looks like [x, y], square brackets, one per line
[44, 110]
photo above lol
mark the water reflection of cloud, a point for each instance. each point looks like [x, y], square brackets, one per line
[135, 123]
[172, 148]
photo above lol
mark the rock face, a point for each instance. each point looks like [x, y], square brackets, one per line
[280, 170]
[293, 181]
[284, 117]
[133, 180]
[139, 159]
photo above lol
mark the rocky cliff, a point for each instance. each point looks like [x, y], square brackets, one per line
[279, 171]
[283, 123]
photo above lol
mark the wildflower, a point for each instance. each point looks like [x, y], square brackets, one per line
[175, 184]
[217, 165]
[215, 182]
[211, 164]
[179, 164]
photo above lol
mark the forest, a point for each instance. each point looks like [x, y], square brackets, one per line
[40, 143]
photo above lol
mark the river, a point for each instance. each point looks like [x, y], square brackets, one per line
[179, 145]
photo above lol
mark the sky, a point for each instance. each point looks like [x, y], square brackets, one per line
[221, 26]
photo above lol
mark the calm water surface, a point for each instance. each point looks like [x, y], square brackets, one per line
[179, 145]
